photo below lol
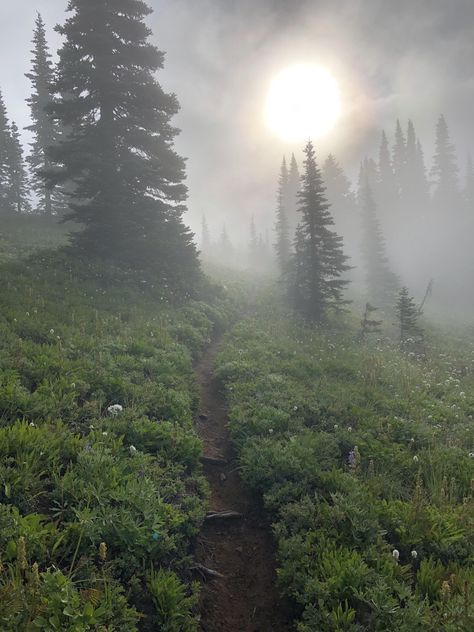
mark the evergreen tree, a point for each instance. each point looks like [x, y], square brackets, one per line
[369, 173]
[399, 159]
[205, 236]
[382, 283]
[445, 172]
[385, 189]
[385, 165]
[319, 260]
[18, 189]
[408, 315]
[415, 192]
[338, 188]
[283, 244]
[5, 157]
[291, 197]
[129, 190]
[43, 128]
[343, 205]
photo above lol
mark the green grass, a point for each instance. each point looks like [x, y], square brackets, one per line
[93, 504]
[359, 450]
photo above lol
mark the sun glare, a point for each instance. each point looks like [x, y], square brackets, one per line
[303, 102]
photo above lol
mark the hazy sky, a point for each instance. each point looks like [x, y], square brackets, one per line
[410, 58]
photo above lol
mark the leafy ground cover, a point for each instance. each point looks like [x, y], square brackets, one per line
[101, 490]
[364, 456]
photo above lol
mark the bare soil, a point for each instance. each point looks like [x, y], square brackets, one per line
[241, 549]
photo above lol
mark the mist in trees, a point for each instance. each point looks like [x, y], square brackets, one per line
[102, 155]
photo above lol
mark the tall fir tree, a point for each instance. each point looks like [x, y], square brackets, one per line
[385, 190]
[129, 192]
[319, 260]
[415, 193]
[18, 186]
[291, 196]
[343, 204]
[399, 158]
[369, 172]
[338, 188]
[445, 171]
[5, 144]
[282, 229]
[382, 284]
[385, 164]
[408, 315]
[43, 127]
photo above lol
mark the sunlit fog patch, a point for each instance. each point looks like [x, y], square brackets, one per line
[304, 101]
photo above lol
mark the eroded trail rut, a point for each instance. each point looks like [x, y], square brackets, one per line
[241, 549]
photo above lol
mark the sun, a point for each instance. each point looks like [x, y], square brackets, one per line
[303, 101]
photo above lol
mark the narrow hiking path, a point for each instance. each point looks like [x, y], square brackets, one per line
[240, 549]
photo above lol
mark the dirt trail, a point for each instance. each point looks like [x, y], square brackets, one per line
[241, 549]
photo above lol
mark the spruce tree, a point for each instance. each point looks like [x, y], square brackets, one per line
[385, 164]
[338, 188]
[445, 172]
[18, 186]
[399, 158]
[319, 260]
[382, 284]
[369, 172]
[385, 190]
[43, 128]
[291, 196]
[129, 192]
[415, 193]
[5, 149]
[343, 205]
[408, 315]
[283, 243]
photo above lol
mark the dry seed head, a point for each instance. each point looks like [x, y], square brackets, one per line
[102, 551]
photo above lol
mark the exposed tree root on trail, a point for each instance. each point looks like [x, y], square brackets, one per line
[235, 541]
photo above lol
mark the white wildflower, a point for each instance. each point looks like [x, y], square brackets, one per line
[414, 554]
[415, 459]
[115, 409]
[51, 331]
[396, 554]
[133, 451]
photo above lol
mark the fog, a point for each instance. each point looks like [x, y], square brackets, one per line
[400, 60]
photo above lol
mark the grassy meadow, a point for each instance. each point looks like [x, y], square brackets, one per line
[364, 456]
